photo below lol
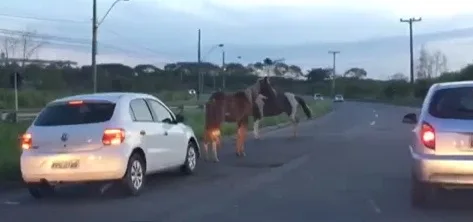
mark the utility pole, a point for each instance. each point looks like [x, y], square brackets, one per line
[199, 61]
[334, 53]
[94, 43]
[223, 70]
[411, 47]
[95, 26]
[15, 84]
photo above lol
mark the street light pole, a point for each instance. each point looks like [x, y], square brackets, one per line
[94, 44]
[334, 53]
[223, 69]
[201, 84]
[95, 26]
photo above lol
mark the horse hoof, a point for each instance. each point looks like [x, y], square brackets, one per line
[216, 160]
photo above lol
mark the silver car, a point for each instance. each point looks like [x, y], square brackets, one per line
[442, 141]
[338, 98]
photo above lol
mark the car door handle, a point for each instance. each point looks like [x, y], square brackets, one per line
[165, 133]
[142, 132]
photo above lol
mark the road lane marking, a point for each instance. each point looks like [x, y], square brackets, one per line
[253, 184]
[376, 115]
[375, 206]
[11, 202]
[372, 123]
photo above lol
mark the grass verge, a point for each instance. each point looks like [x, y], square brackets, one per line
[9, 132]
[400, 101]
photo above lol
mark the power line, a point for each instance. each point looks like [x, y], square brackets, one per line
[66, 39]
[411, 47]
[42, 18]
[60, 40]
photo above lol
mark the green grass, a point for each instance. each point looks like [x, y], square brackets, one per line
[398, 101]
[10, 151]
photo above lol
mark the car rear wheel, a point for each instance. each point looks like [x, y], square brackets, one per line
[39, 190]
[190, 164]
[421, 193]
[134, 179]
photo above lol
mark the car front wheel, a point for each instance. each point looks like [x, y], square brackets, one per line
[190, 163]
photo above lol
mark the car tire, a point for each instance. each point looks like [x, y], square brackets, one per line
[39, 190]
[190, 163]
[421, 193]
[135, 176]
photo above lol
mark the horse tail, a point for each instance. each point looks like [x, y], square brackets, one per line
[304, 106]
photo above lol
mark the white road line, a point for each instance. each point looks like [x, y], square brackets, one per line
[375, 207]
[376, 115]
[11, 203]
[372, 123]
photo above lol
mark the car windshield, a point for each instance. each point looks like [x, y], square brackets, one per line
[452, 103]
[73, 114]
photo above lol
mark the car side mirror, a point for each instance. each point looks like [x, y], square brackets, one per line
[410, 118]
[180, 118]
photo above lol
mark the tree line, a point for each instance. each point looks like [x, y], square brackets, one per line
[41, 80]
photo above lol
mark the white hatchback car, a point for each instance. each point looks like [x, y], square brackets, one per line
[442, 141]
[105, 137]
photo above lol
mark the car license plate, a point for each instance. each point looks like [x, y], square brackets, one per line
[71, 164]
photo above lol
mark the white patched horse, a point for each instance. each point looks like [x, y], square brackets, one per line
[270, 102]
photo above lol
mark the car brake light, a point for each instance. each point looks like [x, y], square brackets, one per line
[76, 102]
[26, 141]
[113, 136]
[427, 134]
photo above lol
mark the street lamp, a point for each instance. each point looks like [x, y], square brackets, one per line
[201, 85]
[95, 26]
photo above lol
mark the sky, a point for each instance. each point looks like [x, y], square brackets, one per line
[161, 31]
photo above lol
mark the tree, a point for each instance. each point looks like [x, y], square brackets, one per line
[398, 77]
[358, 73]
[439, 63]
[431, 65]
[318, 74]
[10, 46]
[30, 44]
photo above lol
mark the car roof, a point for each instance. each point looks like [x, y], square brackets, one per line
[456, 84]
[109, 96]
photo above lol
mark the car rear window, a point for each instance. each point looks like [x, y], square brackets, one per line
[452, 103]
[74, 114]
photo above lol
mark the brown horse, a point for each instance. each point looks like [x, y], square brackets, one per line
[276, 103]
[232, 108]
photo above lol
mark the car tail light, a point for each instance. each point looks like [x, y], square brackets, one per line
[113, 136]
[76, 102]
[427, 135]
[26, 141]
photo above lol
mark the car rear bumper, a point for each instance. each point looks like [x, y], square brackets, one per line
[448, 170]
[98, 165]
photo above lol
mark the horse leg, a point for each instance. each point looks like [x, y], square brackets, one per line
[259, 102]
[242, 130]
[256, 129]
[206, 151]
[238, 142]
[214, 151]
[291, 110]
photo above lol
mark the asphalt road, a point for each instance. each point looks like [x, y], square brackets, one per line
[351, 165]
